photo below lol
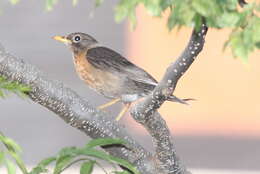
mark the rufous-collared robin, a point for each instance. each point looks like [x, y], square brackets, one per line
[109, 73]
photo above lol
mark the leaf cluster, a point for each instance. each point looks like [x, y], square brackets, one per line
[219, 14]
[49, 4]
[88, 157]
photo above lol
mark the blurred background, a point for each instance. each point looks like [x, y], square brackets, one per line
[220, 130]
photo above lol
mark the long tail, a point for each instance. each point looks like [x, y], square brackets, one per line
[182, 101]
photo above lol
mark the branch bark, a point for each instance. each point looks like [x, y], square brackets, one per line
[145, 112]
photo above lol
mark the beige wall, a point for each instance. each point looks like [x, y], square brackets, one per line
[226, 89]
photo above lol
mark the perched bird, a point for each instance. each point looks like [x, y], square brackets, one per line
[109, 73]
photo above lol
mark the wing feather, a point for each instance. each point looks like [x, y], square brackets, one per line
[109, 60]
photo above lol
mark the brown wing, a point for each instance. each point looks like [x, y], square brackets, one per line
[109, 60]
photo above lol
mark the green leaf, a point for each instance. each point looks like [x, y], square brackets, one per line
[257, 45]
[14, 1]
[2, 95]
[13, 87]
[18, 161]
[198, 22]
[98, 2]
[176, 19]
[74, 2]
[105, 142]
[2, 156]
[68, 151]
[62, 162]
[66, 155]
[237, 46]
[244, 41]
[258, 7]
[166, 3]
[10, 167]
[41, 167]
[205, 7]
[49, 4]
[11, 145]
[87, 167]
[104, 156]
[241, 52]
[231, 4]
[153, 7]
[125, 8]
[38, 170]
[47, 161]
[201, 8]
[255, 24]
[227, 20]
[13, 150]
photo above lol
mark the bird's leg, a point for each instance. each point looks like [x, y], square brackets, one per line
[109, 103]
[123, 111]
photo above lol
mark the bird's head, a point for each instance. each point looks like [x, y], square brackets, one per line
[78, 42]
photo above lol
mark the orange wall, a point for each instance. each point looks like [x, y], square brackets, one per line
[227, 91]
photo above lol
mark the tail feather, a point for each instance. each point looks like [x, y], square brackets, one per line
[182, 101]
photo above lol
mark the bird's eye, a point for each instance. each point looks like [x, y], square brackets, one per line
[77, 38]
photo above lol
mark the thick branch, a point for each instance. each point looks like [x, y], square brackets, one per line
[73, 109]
[145, 112]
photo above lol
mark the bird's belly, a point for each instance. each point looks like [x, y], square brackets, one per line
[102, 82]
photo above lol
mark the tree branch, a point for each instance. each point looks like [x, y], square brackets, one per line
[145, 112]
[74, 110]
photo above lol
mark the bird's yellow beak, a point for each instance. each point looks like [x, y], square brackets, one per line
[62, 39]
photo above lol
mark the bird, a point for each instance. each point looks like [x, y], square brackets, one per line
[109, 73]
